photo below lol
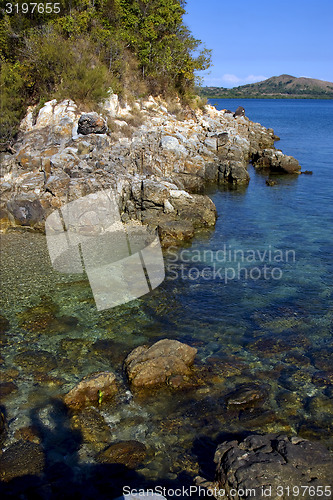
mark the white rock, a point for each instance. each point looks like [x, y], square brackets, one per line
[178, 193]
[171, 143]
[111, 104]
[210, 142]
[168, 207]
[27, 123]
[120, 123]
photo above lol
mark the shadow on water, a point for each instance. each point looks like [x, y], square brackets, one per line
[65, 477]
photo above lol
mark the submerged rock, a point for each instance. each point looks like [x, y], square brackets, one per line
[4, 324]
[4, 327]
[21, 459]
[92, 390]
[7, 388]
[273, 462]
[246, 396]
[93, 428]
[129, 453]
[155, 365]
[33, 361]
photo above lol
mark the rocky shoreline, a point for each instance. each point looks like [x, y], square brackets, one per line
[94, 434]
[71, 442]
[157, 162]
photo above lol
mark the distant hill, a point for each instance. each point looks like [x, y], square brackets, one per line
[276, 87]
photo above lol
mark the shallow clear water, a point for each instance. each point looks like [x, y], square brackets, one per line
[272, 323]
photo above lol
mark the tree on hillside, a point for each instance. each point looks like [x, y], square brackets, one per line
[133, 46]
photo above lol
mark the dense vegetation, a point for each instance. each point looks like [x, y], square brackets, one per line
[135, 47]
[277, 87]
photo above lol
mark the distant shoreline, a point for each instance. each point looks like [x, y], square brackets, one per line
[269, 97]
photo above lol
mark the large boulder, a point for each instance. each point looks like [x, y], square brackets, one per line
[272, 462]
[240, 111]
[276, 161]
[92, 390]
[91, 123]
[158, 364]
[26, 211]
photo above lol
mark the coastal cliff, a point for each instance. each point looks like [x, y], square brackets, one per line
[157, 161]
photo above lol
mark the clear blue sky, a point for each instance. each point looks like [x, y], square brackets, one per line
[256, 39]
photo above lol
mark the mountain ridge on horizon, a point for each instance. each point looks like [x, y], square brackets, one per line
[275, 87]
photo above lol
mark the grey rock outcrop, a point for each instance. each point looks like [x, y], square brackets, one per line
[158, 169]
[276, 161]
[273, 462]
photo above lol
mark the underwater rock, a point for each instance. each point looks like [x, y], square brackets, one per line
[322, 358]
[270, 460]
[269, 182]
[129, 453]
[36, 361]
[75, 347]
[28, 434]
[268, 346]
[152, 366]
[7, 388]
[3, 424]
[246, 396]
[323, 378]
[92, 390]
[4, 327]
[20, 459]
[93, 428]
[42, 318]
[4, 324]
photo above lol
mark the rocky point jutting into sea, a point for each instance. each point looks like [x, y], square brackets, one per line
[156, 392]
[156, 163]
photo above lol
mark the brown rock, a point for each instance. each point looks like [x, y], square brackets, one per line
[92, 390]
[151, 366]
[172, 232]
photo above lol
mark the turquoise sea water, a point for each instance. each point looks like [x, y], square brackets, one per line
[255, 294]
